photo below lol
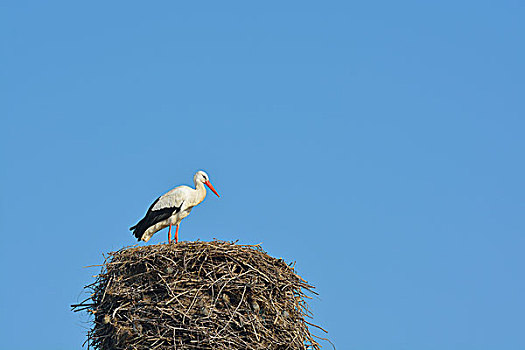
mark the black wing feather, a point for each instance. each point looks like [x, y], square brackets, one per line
[152, 217]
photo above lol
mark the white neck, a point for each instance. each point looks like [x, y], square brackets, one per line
[200, 192]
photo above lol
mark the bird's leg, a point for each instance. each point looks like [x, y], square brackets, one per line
[169, 235]
[177, 234]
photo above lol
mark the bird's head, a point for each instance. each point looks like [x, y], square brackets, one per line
[202, 177]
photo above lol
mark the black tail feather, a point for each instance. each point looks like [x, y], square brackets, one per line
[139, 229]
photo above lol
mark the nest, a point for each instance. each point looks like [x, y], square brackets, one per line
[198, 295]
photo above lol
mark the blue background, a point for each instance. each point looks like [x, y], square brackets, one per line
[379, 144]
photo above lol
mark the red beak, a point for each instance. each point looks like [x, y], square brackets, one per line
[207, 183]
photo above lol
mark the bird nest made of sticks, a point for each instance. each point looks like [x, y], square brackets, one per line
[198, 295]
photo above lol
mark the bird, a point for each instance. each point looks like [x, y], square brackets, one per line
[170, 208]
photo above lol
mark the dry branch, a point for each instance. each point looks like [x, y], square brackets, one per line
[197, 295]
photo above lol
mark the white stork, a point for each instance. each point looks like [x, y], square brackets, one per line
[170, 208]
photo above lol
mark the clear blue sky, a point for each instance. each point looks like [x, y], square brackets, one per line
[379, 144]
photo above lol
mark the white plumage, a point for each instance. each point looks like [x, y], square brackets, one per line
[170, 208]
